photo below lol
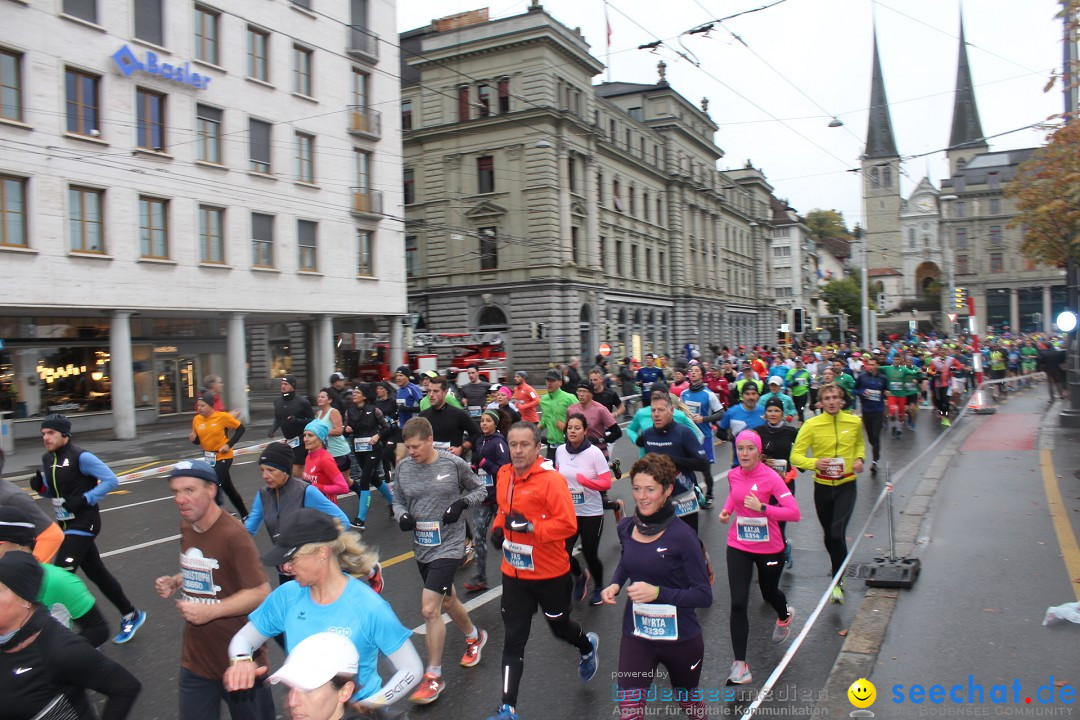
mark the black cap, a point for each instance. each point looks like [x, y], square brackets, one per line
[207, 397]
[22, 575]
[774, 402]
[194, 469]
[585, 385]
[291, 379]
[336, 376]
[303, 526]
[278, 456]
[16, 526]
[57, 422]
[553, 374]
[403, 369]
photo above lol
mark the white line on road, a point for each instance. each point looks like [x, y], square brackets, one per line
[121, 507]
[471, 605]
[140, 546]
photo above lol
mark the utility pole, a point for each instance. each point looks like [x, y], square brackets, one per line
[864, 291]
[1070, 417]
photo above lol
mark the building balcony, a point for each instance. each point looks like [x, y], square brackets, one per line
[367, 203]
[365, 122]
[362, 43]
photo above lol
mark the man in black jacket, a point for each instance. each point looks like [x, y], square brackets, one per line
[292, 412]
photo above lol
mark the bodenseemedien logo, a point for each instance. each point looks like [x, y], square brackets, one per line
[862, 695]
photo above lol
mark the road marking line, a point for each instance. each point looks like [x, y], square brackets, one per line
[143, 502]
[1066, 538]
[395, 560]
[140, 546]
[471, 605]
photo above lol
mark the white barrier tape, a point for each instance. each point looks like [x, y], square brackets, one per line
[132, 476]
[1015, 379]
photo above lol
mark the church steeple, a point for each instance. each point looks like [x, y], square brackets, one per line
[880, 142]
[967, 131]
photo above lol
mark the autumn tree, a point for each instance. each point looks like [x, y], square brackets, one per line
[1047, 194]
[845, 294]
[827, 224]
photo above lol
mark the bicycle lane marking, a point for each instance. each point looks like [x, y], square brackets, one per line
[1070, 551]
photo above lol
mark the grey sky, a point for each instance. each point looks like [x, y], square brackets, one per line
[823, 49]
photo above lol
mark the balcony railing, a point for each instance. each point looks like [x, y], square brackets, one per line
[365, 121]
[367, 202]
[363, 43]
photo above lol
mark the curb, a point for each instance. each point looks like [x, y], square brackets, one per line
[866, 634]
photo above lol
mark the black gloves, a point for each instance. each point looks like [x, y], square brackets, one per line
[76, 503]
[497, 537]
[453, 513]
[518, 523]
[640, 442]
[37, 483]
[406, 522]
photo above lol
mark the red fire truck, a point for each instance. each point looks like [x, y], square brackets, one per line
[365, 356]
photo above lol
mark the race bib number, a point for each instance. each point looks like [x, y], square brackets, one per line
[442, 446]
[578, 496]
[872, 395]
[362, 444]
[693, 407]
[401, 402]
[485, 477]
[293, 442]
[428, 534]
[737, 426]
[835, 468]
[646, 387]
[685, 503]
[475, 410]
[800, 381]
[518, 555]
[210, 458]
[60, 511]
[654, 621]
[780, 466]
[753, 529]
[197, 573]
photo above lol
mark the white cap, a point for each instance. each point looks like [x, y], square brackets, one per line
[776, 380]
[316, 660]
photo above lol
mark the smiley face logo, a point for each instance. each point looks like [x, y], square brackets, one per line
[862, 693]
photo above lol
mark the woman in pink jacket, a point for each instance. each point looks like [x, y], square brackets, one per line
[755, 540]
[320, 469]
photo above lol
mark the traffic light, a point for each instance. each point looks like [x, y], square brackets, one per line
[536, 330]
[959, 298]
[798, 321]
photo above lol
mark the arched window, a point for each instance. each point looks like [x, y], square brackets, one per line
[585, 331]
[492, 318]
[875, 177]
[886, 176]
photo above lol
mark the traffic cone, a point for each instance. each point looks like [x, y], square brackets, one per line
[981, 402]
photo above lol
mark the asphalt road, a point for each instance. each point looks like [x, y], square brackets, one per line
[139, 542]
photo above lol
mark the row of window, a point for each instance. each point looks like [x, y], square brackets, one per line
[86, 213]
[959, 208]
[965, 265]
[994, 236]
[489, 100]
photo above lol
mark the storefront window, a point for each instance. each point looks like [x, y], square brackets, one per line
[37, 381]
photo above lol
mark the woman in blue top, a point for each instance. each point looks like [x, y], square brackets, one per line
[747, 415]
[664, 564]
[327, 596]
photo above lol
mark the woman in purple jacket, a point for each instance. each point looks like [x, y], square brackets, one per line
[755, 540]
[664, 563]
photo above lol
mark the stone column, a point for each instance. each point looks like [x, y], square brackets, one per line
[236, 395]
[1014, 310]
[397, 350]
[1047, 309]
[120, 376]
[324, 356]
[562, 158]
[592, 222]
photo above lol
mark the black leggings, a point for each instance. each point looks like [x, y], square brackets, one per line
[800, 404]
[369, 470]
[638, 660]
[834, 505]
[520, 599]
[740, 569]
[221, 469]
[589, 528]
[872, 423]
[942, 400]
[80, 551]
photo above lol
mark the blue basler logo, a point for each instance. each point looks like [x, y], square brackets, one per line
[128, 62]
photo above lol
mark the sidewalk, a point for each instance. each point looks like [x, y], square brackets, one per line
[997, 542]
[165, 441]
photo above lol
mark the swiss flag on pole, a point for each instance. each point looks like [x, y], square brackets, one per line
[607, 22]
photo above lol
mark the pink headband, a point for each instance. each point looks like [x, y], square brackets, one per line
[751, 436]
[506, 391]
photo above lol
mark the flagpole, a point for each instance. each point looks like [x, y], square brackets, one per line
[607, 28]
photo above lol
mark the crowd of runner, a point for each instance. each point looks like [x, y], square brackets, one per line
[464, 467]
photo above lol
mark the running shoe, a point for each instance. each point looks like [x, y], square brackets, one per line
[595, 599]
[375, 580]
[505, 712]
[616, 468]
[911, 425]
[873, 468]
[945, 422]
[429, 690]
[581, 587]
[788, 562]
[359, 524]
[707, 502]
[471, 658]
[837, 595]
[588, 663]
[476, 585]
[130, 626]
[470, 554]
[619, 507]
[390, 512]
[782, 630]
[740, 673]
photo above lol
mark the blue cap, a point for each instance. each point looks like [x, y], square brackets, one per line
[319, 429]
